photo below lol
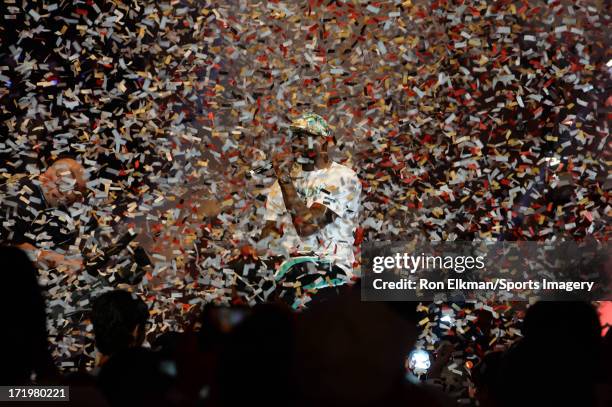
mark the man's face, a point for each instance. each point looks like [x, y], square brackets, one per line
[305, 148]
[63, 183]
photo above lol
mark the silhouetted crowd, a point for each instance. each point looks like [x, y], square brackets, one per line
[338, 352]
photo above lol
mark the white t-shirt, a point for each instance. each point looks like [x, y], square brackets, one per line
[338, 188]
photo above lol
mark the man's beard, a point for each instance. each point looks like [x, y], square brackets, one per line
[306, 158]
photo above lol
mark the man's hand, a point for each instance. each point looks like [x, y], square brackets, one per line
[270, 229]
[306, 220]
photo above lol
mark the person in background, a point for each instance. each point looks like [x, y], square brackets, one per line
[559, 338]
[33, 213]
[119, 319]
[24, 348]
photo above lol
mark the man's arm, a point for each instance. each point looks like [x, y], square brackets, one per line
[50, 258]
[306, 221]
[14, 224]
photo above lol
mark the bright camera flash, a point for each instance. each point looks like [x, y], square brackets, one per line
[419, 361]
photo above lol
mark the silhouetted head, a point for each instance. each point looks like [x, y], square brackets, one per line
[568, 323]
[559, 360]
[119, 320]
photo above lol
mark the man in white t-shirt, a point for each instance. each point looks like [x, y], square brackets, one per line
[316, 208]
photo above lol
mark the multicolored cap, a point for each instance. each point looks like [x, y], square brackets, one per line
[311, 123]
